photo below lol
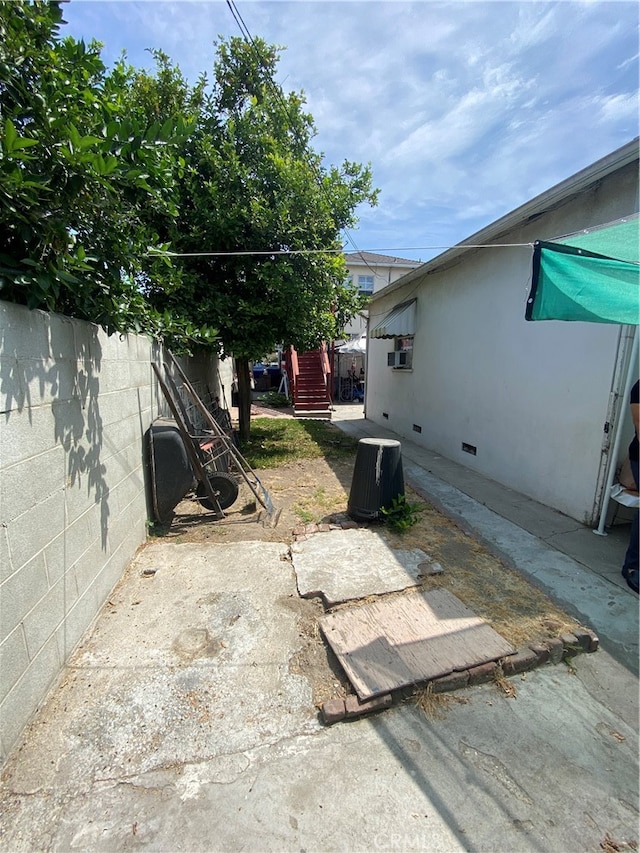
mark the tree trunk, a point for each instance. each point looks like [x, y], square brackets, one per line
[244, 398]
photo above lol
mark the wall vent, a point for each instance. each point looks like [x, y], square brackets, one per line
[469, 448]
[417, 428]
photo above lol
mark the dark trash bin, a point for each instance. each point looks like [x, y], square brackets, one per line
[171, 472]
[377, 477]
[260, 377]
[275, 375]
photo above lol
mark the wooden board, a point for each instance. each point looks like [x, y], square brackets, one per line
[409, 639]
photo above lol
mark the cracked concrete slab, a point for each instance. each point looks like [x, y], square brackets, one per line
[179, 727]
[552, 769]
[184, 665]
[342, 565]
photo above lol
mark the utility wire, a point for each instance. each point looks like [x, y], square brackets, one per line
[160, 253]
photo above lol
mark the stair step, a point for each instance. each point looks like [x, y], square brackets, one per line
[324, 415]
[311, 404]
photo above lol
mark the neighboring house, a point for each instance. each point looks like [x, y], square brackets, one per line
[369, 273]
[454, 365]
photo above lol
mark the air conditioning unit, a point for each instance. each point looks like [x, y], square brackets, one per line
[397, 359]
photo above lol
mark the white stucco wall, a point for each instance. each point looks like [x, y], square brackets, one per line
[531, 397]
[383, 274]
[74, 407]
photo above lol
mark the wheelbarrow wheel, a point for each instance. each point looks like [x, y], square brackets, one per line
[225, 488]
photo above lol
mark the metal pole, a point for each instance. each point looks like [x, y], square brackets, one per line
[366, 366]
[613, 456]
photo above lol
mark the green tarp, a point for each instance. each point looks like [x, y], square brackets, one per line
[592, 276]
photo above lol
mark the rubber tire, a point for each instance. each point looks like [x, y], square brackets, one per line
[225, 488]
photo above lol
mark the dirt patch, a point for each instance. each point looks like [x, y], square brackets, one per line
[516, 609]
[315, 659]
[315, 491]
[302, 492]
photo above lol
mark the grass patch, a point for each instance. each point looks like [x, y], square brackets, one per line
[435, 705]
[319, 504]
[276, 442]
[305, 515]
[274, 399]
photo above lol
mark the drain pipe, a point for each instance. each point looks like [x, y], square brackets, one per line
[613, 455]
[366, 369]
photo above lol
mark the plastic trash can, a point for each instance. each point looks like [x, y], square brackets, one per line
[377, 477]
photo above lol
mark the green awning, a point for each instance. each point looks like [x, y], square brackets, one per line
[592, 276]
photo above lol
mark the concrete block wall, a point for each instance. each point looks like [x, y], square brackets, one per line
[75, 404]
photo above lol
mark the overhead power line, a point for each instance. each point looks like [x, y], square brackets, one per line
[278, 94]
[271, 252]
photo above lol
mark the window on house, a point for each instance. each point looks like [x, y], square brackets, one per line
[365, 285]
[402, 355]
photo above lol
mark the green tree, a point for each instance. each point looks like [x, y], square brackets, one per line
[252, 183]
[97, 166]
[81, 182]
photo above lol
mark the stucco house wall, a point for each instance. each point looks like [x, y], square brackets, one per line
[532, 398]
[75, 406]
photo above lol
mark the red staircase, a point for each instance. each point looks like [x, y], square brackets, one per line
[310, 382]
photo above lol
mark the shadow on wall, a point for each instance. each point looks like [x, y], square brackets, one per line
[54, 362]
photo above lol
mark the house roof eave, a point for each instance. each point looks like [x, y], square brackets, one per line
[371, 259]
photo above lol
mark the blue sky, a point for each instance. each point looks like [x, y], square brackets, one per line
[465, 110]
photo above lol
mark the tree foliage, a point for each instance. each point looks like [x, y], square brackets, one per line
[98, 165]
[79, 177]
[253, 184]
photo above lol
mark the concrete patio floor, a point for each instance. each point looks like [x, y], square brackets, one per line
[181, 724]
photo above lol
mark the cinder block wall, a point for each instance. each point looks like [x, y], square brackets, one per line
[74, 407]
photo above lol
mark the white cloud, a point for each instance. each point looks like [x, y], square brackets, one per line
[466, 109]
[466, 122]
[619, 108]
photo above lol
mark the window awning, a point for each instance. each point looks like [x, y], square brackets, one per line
[399, 323]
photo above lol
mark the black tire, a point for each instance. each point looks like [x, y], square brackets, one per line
[224, 487]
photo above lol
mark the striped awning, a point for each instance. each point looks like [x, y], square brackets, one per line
[399, 323]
